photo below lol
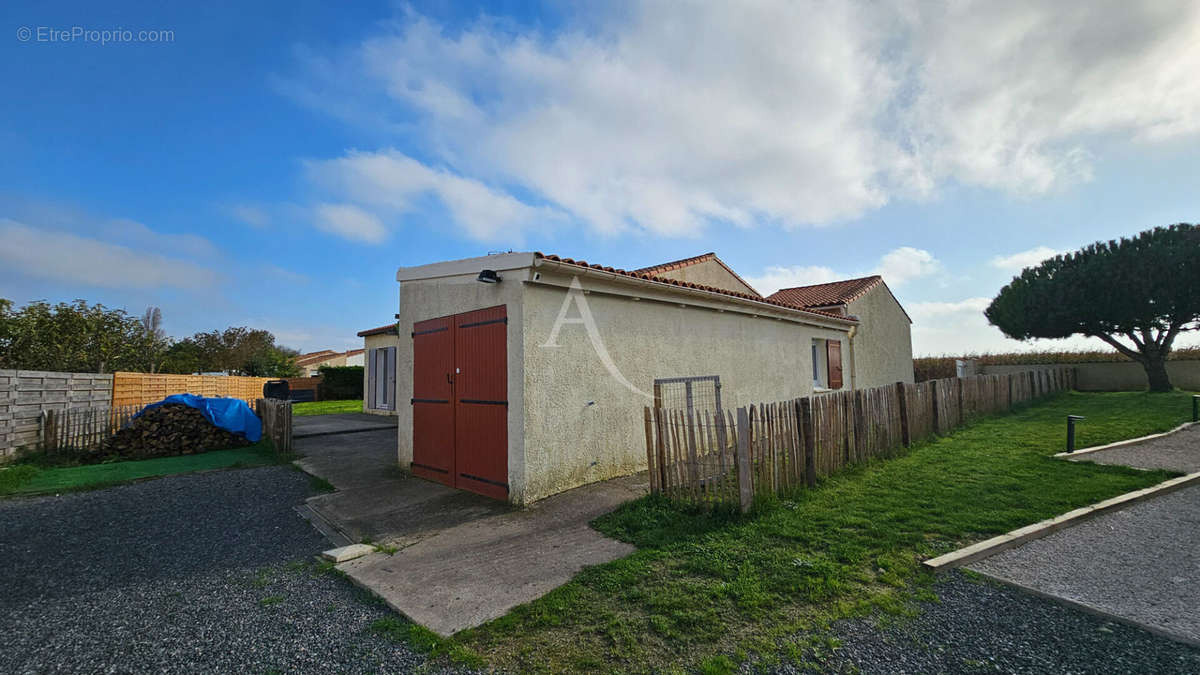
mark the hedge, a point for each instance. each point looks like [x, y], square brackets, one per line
[340, 383]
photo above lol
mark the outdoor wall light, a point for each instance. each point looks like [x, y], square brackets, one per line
[488, 277]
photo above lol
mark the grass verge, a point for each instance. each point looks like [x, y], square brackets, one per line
[704, 591]
[327, 407]
[29, 479]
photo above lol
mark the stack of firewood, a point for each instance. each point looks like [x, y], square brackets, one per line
[170, 430]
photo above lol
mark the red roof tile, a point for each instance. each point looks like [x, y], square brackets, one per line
[686, 262]
[637, 274]
[825, 295]
[389, 328]
[323, 351]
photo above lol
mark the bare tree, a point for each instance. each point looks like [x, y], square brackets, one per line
[154, 335]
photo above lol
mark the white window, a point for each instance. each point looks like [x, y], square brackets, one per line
[381, 379]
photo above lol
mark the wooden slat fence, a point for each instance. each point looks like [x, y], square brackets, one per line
[146, 388]
[26, 394]
[729, 457]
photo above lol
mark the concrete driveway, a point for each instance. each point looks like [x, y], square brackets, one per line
[376, 501]
[306, 426]
[1140, 564]
[460, 559]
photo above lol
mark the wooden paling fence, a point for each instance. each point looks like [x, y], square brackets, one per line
[82, 428]
[88, 428]
[711, 457]
[276, 417]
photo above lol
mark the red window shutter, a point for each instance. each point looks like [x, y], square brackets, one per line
[833, 355]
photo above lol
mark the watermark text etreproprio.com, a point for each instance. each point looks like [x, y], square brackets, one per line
[99, 36]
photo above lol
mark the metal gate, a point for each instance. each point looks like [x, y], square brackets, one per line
[460, 401]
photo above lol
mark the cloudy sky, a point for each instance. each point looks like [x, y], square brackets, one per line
[273, 166]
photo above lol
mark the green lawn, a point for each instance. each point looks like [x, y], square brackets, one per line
[30, 479]
[327, 407]
[704, 591]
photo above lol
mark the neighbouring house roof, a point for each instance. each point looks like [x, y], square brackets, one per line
[315, 358]
[323, 352]
[657, 270]
[354, 352]
[382, 330]
[826, 295]
[833, 294]
[647, 276]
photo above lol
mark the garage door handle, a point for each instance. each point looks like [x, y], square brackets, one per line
[449, 380]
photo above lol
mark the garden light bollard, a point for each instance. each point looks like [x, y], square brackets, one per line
[1196, 407]
[1071, 420]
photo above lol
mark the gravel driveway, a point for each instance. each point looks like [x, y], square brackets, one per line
[1141, 563]
[980, 626]
[1178, 452]
[198, 573]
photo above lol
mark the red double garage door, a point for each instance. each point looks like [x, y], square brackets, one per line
[460, 401]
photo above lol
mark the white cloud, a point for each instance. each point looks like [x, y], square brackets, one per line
[959, 328]
[669, 118]
[254, 216]
[905, 264]
[775, 278]
[351, 222]
[1018, 261]
[391, 181]
[933, 310]
[897, 267]
[139, 236]
[69, 258]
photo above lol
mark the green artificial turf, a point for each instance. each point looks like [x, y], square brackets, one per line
[703, 591]
[327, 407]
[30, 479]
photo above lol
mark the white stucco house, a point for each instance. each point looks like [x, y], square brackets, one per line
[378, 358]
[520, 375]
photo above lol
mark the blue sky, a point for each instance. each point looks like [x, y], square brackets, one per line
[272, 166]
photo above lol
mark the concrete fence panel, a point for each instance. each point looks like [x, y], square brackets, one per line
[1115, 375]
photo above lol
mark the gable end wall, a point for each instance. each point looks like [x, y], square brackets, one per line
[883, 344]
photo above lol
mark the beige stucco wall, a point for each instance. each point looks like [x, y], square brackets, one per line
[708, 273]
[432, 298]
[375, 342]
[583, 425]
[883, 343]
[1116, 376]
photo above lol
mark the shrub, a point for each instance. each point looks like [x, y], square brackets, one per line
[341, 383]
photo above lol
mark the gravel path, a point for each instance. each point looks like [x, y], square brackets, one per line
[984, 627]
[1178, 452]
[1141, 562]
[198, 573]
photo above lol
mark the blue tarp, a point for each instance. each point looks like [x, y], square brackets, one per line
[230, 414]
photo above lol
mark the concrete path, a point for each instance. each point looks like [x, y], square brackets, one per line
[463, 559]
[304, 426]
[466, 575]
[1140, 564]
[375, 500]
